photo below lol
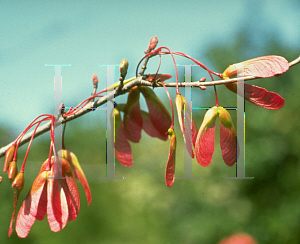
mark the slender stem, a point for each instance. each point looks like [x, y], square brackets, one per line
[172, 125]
[63, 137]
[176, 72]
[19, 138]
[158, 67]
[216, 96]
[296, 61]
[147, 57]
[28, 148]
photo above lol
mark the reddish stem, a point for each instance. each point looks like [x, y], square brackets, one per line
[52, 144]
[172, 124]
[197, 62]
[177, 87]
[19, 138]
[29, 145]
[63, 137]
[216, 96]
[148, 54]
[158, 67]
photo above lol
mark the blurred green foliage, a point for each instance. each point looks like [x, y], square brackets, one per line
[141, 209]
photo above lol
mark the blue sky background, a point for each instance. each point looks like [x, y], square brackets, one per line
[87, 33]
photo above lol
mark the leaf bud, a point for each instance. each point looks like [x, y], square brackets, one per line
[123, 67]
[95, 80]
[153, 42]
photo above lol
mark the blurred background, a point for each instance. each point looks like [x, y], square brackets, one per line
[140, 208]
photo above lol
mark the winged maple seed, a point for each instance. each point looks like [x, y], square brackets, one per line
[58, 197]
[155, 123]
[77, 171]
[133, 121]
[188, 129]
[205, 142]
[122, 147]
[170, 168]
[266, 66]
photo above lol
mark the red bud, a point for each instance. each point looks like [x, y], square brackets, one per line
[95, 80]
[153, 42]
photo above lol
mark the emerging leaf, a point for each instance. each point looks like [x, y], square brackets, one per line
[266, 66]
[170, 169]
[161, 77]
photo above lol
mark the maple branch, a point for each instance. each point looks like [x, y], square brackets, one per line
[296, 61]
[109, 97]
[84, 110]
